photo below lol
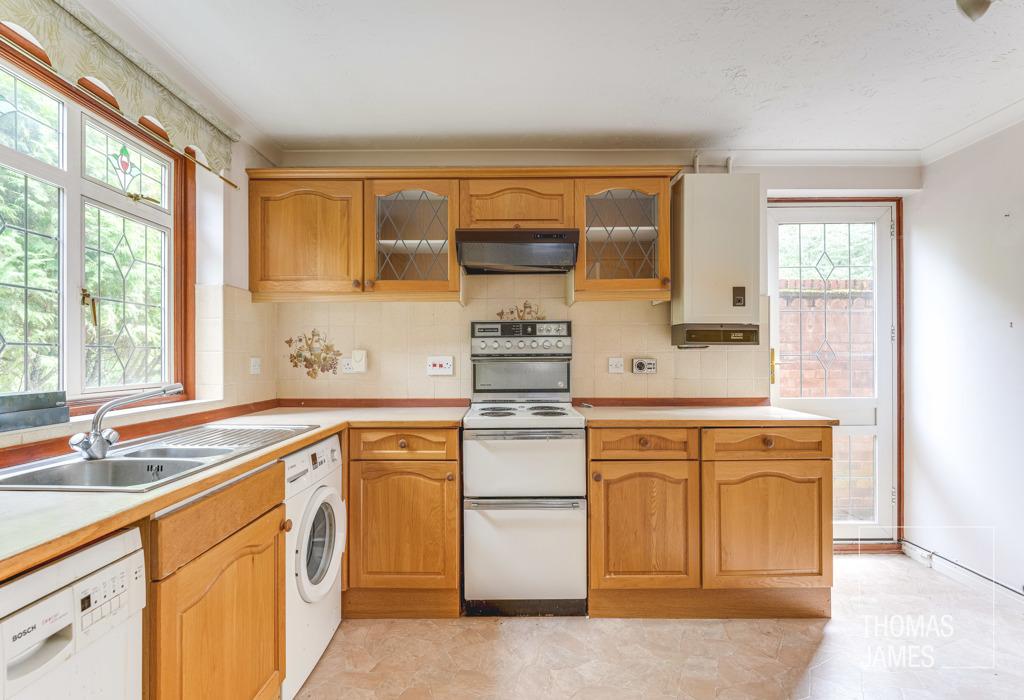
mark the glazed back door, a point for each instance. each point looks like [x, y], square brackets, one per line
[831, 278]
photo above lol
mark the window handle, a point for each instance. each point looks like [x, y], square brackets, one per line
[90, 301]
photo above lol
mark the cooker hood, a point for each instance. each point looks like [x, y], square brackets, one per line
[516, 251]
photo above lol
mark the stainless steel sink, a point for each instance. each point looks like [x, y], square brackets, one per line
[111, 473]
[146, 463]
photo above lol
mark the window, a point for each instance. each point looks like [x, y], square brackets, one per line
[86, 245]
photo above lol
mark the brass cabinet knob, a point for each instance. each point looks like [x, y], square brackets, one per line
[769, 442]
[287, 525]
[645, 442]
[666, 281]
[597, 476]
[369, 284]
[449, 477]
[402, 443]
[356, 284]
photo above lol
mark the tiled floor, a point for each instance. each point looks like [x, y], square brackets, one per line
[898, 631]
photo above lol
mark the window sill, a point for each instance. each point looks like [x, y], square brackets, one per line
[114, 419]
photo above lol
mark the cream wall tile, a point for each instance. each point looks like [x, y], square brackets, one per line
[740, 365]
[500, 286]
[687, 388]
[687, 364]
[761, 360]
[712, 388]
[713, 365]
[740, 387]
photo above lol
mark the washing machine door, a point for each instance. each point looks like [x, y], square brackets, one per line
[321, 541]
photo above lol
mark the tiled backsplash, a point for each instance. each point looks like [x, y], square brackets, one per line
[399, 336]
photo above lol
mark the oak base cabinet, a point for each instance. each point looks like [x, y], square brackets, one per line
[644, 524]
[218, 622]
[767, 524]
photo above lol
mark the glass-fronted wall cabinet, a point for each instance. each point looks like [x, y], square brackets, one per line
[625, 229]
[410, 236]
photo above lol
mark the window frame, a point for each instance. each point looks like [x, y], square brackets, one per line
[179, 216]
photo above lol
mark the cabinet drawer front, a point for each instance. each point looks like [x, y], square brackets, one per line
[184, 534]
[538, 203]
[644, 443]
[767, 443]
[392, 443]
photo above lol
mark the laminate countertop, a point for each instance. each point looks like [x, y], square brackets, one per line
[697, 416]
[37, 526]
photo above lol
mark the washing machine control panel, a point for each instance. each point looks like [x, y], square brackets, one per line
[311, 464]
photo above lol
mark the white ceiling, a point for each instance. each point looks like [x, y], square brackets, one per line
[715, 74]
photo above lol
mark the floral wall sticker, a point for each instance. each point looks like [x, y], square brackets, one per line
[526, 311]
[314, 353]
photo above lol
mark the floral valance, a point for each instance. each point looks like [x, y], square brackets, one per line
[76, 51]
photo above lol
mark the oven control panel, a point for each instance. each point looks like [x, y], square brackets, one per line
[518, 338]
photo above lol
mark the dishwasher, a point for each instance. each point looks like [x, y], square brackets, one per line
[73, 628]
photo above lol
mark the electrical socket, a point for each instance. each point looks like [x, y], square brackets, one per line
[440, 366]
[255, 365]
[616, 365]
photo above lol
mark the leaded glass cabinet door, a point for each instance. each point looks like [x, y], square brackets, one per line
[410, 236]
[624, 229]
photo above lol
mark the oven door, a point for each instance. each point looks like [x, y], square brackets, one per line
[523, 463]
[532, 549]
[503, 377]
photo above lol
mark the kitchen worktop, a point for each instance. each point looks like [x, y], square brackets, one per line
[36, 526]
[697, 416]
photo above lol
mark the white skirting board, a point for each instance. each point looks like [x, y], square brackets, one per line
[959, 573]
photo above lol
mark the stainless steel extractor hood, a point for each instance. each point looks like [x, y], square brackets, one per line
[509, 251]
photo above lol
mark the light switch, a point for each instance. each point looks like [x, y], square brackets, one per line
[616, 365]
[356, 364]
[255, 365]
[440, 366]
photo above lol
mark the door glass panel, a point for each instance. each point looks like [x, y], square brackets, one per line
[412, 236]
[622, 235]
[853, 477]
[320, 544]
[826, 303]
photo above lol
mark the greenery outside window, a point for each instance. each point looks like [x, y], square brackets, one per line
[86, 249]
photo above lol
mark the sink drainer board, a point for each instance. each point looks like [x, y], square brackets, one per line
[251, 437]
[144, 464]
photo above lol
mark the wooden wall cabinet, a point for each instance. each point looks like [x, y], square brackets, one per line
[767, 524]
[644, 524]
[520, 203]
[305, 236]
[218, 621]
[625, 231]
[409, 236]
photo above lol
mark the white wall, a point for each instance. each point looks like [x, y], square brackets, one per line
[964, 340]
[236, 214]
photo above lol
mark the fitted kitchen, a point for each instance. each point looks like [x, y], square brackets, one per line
[419, 389]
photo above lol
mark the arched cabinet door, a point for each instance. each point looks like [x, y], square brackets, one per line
[404, 524]
[305, 236]
[409, 235]
[624, 237]
[767, 523]
[644, 524]
[517, 203]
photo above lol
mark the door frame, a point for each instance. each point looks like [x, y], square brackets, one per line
[897, 203]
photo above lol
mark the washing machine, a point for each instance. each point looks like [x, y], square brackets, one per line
[313, 557]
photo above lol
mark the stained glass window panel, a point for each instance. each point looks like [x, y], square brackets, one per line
[30, 286]
[826, 310]
[30, 119]
[124, 271]
[117, 163]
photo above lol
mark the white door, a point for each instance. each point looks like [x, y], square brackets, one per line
[831, 279]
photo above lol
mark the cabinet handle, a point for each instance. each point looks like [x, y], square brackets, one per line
[666, 281]
[597, 476]
[645, 441]
[356, 284]
[369, 284]
[402, 444]
[449, 477]
[287, 525]
[769, 443]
